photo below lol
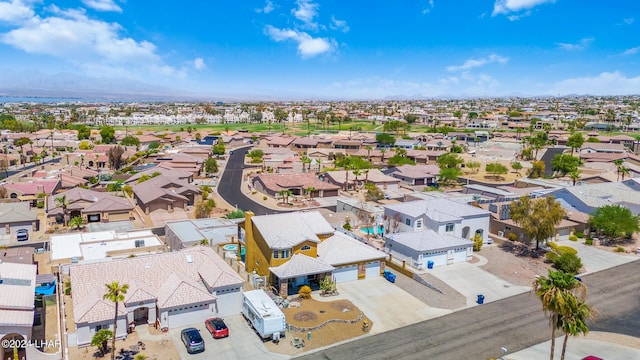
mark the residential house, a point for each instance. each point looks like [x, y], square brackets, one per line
[372, 176]
[413, 175]
[164, 193]
[182, 175]
[187, 233]
[587, 198]
[448, 227]
[298, 184]
[589, 147]
[18, 255]
[91, 206]
[32, 188]
[17, 310]
[290, 256]
[18, 215]
[102, 245]
[171, 290]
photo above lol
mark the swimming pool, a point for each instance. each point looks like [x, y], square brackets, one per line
[230, 247]
[372, 230]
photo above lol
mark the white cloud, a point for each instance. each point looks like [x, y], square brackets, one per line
[474, 63]
[308, 46]
[268, 7]
[198, 64]
[14, 11]
[580, 45]
[71, 34]
[102, 5]
[512, 6]
[628, 21]
[428, 7]
[306, 12]
[339, 25]
[606, 83]
[632, 51]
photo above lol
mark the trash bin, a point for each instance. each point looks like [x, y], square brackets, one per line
[430, 264]
[480, 299]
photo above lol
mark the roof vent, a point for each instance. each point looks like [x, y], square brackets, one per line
[189, 259]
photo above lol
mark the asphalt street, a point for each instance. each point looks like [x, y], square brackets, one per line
[516, 323]
[229, 187]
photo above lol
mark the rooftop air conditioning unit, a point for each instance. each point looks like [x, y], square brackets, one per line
[501, 233]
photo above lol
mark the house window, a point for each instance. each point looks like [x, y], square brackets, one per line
[275, 254]
[419, 224]
[306, 247]
[449, 228]
[408, 222]
[285, 254]
[101, 326]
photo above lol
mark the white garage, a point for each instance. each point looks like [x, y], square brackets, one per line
[188, 315]
[373, 269]
[345, 273]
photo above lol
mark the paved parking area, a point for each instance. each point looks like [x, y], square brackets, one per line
[242, 343]
[387, 305]
[598, 258]
[470, 280]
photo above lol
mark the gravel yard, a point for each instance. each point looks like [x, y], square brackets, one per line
[518, 270]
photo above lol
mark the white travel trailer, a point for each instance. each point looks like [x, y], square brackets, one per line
[263, 314]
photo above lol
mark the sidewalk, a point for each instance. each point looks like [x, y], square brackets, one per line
[604, 345]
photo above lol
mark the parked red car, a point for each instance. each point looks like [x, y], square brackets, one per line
[217, 328]
[591, 357]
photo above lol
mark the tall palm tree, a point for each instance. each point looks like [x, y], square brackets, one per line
[618, 163]
[356, 173]
[115, 293]
[63, 203]
[624, 171]
[556, 293]
[575, 322]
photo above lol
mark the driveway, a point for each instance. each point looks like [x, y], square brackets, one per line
[598, 258]
[388, 306]
[469, 280]
[242, 343]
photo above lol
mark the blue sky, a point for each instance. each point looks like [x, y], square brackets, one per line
[351, 49]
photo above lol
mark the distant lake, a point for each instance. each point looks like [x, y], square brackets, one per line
[51, 100]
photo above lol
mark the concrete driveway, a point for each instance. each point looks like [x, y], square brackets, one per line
[388, 306]
[469, 280]
[598, 258]
[242, 343]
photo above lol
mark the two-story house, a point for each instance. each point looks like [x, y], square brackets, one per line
[436, 230]
[288, 250]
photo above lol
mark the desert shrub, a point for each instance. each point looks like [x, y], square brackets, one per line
[304, 292]
[573, 238]
[566, 250]
[588, 242]
[477, 242]
[579, 234]
[511, 236]
[264, 198]
[620, 249]
[569, 263]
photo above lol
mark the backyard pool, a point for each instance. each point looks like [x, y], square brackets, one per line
[230, 247]
[373, 230]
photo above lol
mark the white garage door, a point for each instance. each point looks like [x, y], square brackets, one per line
[189, 316]
[347, 273]
[373, 269]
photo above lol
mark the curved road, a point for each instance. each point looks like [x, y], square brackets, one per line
[515, 323]
[230, 184]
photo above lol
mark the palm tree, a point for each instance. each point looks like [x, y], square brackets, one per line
[356, 173]
[618, 163]
[575, 176]
[556, 293]
[624, 171]
[115, 293]
[575, 322]
[305, 161]
[63, 203]
[368, 148]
